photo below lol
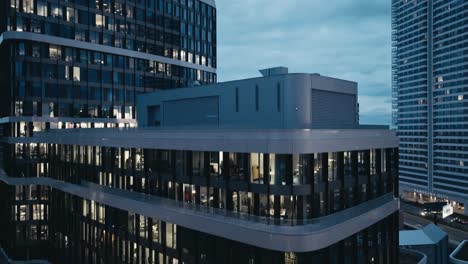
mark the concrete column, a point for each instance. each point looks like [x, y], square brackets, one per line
[466, 208]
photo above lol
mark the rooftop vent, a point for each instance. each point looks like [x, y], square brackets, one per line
[274, 71]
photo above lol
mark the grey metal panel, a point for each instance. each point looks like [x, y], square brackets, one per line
[285, 141]
[333, 84]
[253, 230]
[333, 108]
[294, 100]
[154, 115]
[97, 47]
[202, 111]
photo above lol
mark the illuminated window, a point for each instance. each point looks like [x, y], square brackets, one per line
[14, 3]
[24, 213]
[41, 9]
[183, 55]
[168, 70]
[28, 6]
[76, 74]
[100, 20]
[55, 52]
[171, 235]
[55, 11]
[461, 97]
[67, 73]
[38, 212]
[70, 15]
[190, 57]
[161, 67]
[102, 214]
[143, 227]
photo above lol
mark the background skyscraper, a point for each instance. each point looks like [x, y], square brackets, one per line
[430, 89]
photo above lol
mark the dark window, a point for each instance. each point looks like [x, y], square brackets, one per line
[256, 99]
[237, 99]
[83, 17]
[278, 97]
[93, 76]
[106, 77]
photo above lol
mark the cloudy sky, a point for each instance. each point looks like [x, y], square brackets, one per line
[348, 39]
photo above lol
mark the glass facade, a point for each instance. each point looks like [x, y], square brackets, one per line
[83, 231]
[450, 92]
[52, 79]
[411, 58]
[81, 64]
[286, 188]
[180, 29]
[281, 186]
[430, 79]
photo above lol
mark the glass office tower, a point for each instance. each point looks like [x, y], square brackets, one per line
[88, 59]
[430, 82]
[81, 64]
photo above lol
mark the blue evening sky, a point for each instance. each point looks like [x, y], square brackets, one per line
[348, 39]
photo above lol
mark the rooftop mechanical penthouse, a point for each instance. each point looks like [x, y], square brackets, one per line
[273, 169]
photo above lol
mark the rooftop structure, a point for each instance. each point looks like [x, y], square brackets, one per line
[412, 257]
[460, 254]
[431, 241]
[277, 101]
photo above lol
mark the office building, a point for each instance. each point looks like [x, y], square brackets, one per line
[274, 169]
[81, 64]
[430, 87]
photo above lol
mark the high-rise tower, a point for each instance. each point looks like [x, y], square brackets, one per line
[81, 64]
[430, 83]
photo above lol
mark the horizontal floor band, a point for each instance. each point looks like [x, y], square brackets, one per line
[20, 35]
[279, 141]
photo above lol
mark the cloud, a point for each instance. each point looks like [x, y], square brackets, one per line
[347, 39]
